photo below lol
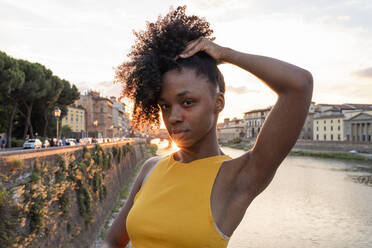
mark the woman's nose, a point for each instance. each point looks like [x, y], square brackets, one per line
[175, 115]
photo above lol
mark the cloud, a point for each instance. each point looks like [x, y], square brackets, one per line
[240, 90]
[366, 72]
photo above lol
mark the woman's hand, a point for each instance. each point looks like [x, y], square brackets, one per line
[205, 45]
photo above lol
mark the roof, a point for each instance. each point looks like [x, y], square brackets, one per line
[329, 116]
[360, 116]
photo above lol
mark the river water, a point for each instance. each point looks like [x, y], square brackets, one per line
[311, 202]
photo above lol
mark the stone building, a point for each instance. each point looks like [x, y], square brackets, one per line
[75, 119]
[120, 120]
[254, 120]
[307, 129]
[358, 128]
[329, 127]
[230, 130]
[99, 113]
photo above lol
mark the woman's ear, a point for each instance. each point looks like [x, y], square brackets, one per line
[219, 103]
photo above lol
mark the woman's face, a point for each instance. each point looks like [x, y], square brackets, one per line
[188, 106]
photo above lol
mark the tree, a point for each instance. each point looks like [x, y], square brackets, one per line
[33, 89]
[12, 80]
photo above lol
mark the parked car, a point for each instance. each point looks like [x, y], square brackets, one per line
[32, 144]
[70, 142]
[46, 144]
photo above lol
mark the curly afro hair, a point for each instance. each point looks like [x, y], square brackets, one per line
[153, 54]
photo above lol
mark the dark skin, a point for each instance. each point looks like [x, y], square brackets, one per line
[190, 115]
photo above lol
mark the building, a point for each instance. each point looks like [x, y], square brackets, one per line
[231, 130]
[358, 128]
[307, 129]
[75, 119]
[99, 114]
[342, 122]
[254, 120]
[329, 127]
[120, 120]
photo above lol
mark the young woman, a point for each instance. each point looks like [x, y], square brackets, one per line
[197, 196]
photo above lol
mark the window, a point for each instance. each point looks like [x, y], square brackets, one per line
[331, 121]
[317, 136]
[324, 121]
[325, 137]
[338, 137]
[317, 128]
[331, 136]
[331, 128]
[338, 128]
[325, 128]
[338, 120]
[316, 122]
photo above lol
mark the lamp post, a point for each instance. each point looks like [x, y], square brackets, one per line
[57, 114]
[95, 123]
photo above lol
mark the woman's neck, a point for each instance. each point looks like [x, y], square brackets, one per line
[206, 147]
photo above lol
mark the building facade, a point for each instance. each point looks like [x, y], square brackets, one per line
[358, 128]
[230, 130]
[75, 119]
[254, 120]
[99, 113]
[307, 129]
[329, 127]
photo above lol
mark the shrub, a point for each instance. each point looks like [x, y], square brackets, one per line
[84, 200]
[35, 177]
[16, 164]
[64, 201]
[37, 215]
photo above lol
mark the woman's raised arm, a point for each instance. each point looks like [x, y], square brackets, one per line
[294, 87]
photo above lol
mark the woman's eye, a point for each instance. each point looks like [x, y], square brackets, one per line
[188, 102]
[164, 106]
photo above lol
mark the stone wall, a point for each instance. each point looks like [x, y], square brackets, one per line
[337, 146]
[61, 197]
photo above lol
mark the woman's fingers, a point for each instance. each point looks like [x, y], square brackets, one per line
[192, 48]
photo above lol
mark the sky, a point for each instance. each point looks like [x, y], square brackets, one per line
[84, 41]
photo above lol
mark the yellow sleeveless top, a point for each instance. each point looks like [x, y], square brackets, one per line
[172, 208]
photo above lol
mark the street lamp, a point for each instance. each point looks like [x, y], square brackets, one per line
[57, 114]
[95, 123]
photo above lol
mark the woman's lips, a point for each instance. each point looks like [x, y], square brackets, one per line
[177, 134]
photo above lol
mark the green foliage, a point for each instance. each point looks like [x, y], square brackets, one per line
[115, 151]
[236, 141]
[65, 201]
[59, 176]
[8, 218]
[152, 148]
[97, 181]
[17, 142]
[98, 148]
[127, 148]
[36, 215]
[107, 160]
[98, 158]
[85, 149]
[84, 200]
[35, 177]
[16, 164]
[334, 155]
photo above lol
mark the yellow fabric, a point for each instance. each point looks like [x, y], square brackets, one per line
[172, 209]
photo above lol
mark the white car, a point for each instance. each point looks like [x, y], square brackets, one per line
[32, 144]
[70, 142]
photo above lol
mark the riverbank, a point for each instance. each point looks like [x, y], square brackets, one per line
[311, 153]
